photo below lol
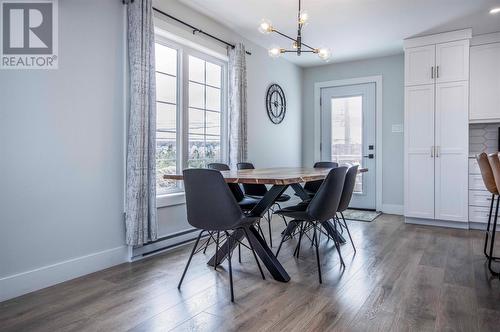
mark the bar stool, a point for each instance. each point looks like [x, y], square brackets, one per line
[494, 162]
[489, 183]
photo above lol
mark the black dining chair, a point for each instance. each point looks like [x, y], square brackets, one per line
[259, 190]
[322, 207]
[312, 187]
[246, 203]
[217, 212]
[345, 200]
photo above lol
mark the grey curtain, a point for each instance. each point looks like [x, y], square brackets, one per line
[140, 206]
[237, 105]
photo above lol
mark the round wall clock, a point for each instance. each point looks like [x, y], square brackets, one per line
[275, 103]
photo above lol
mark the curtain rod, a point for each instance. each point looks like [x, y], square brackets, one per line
[195, 29]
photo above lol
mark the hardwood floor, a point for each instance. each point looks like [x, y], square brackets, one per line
[403, 277]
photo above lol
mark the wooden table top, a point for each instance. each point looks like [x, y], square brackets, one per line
[275, 175]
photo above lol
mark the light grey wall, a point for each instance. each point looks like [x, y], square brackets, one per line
[392, 70]
[268, 144]
[61, 144]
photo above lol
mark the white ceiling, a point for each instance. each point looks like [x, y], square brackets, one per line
[353, 29]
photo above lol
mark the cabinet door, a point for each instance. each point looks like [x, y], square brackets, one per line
[419, 158]
[452, 142]
[419, 65]
[452, 61]
[485, 82]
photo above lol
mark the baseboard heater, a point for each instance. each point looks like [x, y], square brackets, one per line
[165, 243]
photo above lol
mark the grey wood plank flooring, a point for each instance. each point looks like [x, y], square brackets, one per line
[402, 278]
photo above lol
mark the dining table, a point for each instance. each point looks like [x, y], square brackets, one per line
[279, 179]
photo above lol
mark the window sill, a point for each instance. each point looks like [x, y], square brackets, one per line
[171, 199]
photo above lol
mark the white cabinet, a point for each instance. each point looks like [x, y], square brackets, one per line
[451, 151]
[437, 128]
[485, 83]
[419, 65]
[419, 148]
[440, 63]
[452, 61]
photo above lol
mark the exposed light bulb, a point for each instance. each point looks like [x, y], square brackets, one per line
[324, 53]
[495, 10]
[295, 45]
[265, 26]
[303, 17]
[275, 52]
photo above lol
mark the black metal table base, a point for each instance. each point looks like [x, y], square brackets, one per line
[259, 244]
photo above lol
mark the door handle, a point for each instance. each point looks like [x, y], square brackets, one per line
[437, 72]
[432, 72]
[369, 156]
[438, 151]
[432, 151]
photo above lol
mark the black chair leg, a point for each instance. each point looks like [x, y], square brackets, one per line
[348, 231]
[208, 242]
[216, 250]
[492, 241]
[254, 254]
[315, 239]
[239, 253]
[337, 244]
[269, 227]
[297, 249]
[228, 240]
[189, 260]
[488, 229]
[281, 243]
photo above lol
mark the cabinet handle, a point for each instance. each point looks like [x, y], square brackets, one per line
[438, 150]
[437, 72]
[432, 152]
[432, 72]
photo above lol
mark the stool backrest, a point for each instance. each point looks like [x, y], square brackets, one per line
[210, 204]
[252, 189]
[349, 183]
[235, 188]
[325, 203]
[495, 167]
[487, 173]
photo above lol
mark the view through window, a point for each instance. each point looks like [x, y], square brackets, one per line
[347, 133]
[196, 138]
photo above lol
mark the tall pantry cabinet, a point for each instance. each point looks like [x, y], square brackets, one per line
[437, 129]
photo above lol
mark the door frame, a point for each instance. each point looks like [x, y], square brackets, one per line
[378, 124]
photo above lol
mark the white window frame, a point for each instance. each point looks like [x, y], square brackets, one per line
[176, 196]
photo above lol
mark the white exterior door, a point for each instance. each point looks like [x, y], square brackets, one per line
[452, 61]
[452, 144]
[419, 65]
[419, 147]
[348, 116]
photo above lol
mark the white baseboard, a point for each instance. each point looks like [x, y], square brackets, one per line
[438, 223]
[392, 209]
[30, 281]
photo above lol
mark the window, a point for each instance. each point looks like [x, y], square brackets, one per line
[190, 92]
[347, 133]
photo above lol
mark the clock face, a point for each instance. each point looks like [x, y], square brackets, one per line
[275, 103]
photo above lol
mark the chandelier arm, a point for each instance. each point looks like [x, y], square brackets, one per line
[295, 51]
[282, 34]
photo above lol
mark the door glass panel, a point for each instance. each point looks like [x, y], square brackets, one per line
[347, 133]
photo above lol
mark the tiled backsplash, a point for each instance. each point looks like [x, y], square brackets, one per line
[483, 137]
